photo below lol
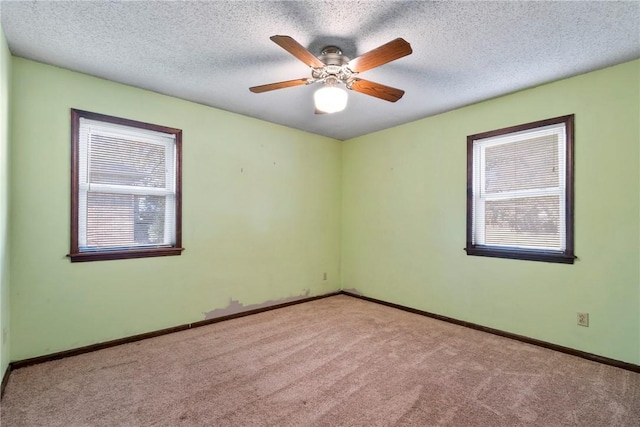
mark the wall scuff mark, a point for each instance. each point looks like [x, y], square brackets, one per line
[236, 306]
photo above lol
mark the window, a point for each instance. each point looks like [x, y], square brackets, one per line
[520, 192]
[125, 188]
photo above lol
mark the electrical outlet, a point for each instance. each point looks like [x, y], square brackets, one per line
[324, 276]
[583, 319]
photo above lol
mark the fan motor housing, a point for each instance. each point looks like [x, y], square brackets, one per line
[332, 55]
[335, 64]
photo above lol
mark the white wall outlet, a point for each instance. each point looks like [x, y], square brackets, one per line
[583, 319]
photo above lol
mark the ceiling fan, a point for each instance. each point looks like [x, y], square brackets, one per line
[332, 69]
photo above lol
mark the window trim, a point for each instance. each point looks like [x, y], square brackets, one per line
[75, 254]
[566, 256]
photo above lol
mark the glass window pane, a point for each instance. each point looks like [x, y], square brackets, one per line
[126, 162]
[524, 222]
[116, 220]
[522, 165]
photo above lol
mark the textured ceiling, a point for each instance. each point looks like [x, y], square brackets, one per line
[212, 52]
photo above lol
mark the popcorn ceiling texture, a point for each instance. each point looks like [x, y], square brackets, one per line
[212, 52]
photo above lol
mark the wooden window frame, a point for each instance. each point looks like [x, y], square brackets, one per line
[566, 256]
[75, 254]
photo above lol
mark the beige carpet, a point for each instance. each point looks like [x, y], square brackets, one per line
[338, 361]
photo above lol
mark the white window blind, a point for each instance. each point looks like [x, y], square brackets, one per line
[519, 189]
[127, 181]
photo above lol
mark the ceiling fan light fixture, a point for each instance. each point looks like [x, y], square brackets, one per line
[330, 99]
[333, 69]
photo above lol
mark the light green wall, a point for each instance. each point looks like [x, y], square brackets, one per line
[5, 84]
[262, 206]
[403, 219]
[261, 213]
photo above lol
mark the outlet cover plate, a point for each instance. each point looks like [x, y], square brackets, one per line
[583, 319]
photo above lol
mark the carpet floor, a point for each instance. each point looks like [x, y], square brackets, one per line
[337, 361]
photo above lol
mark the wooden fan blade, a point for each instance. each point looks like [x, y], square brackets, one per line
[297, 50]
[279, 85]
[381, 55]
[378, 90]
